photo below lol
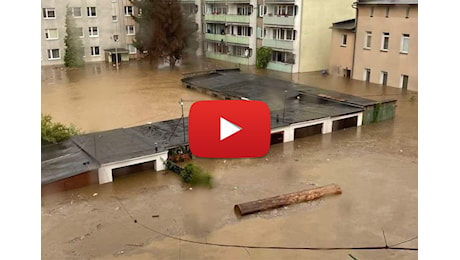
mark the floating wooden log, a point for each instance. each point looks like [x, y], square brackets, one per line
[286, 199]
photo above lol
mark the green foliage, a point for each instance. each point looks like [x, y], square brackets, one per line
[73, 56]
[196, 176]
[165, 33]
[263, 57]
[56, 132]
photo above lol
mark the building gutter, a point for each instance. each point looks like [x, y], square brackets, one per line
[354, 5]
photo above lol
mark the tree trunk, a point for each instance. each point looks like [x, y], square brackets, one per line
[172, 61]
[286, 199]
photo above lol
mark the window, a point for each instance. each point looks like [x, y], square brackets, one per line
[286, 10]
[367, 40]
[93, 31]
[243, 10]
[130, 30]
[385, 40]
[387, 11]
[367, 74]
[344, 40]
[240, 51]
[132, 49]
[217, 47]
[407, 12]
[95, 51]
[49, 13]
[240, 30]
[372, 12]
[51, 34]
[218, 9]
[76, 11]
[79, 31]
[128, 10]
[404, 81]
[262, 10]
[405, 43]
[139, 11]
[283, 34]
[284, 57]
[114, 18]
[215, 28]
[53, 54]
[91, 11]
[383, 78]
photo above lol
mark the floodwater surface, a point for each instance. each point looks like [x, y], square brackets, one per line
[145, 214]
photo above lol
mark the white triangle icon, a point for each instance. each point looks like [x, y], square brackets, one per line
[227, 128]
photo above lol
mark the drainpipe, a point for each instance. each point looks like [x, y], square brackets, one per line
[355, 6]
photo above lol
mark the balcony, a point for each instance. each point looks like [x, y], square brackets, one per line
[278, 66]
[278, 44]
[279, 1]
[225, 57]
[279, 20]
[227, 18]
[227, 38]
[228, 1]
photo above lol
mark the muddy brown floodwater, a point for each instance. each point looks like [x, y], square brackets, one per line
[375, 165]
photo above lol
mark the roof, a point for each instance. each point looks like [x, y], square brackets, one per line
[64, 160]
[387, 2]
[344, 25]
[126, 143]
[296, 102]
[83, 153]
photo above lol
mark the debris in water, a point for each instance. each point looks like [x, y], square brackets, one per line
[235, 188]
[401, 151]
[190, 188]
[155, 216]
[95, 194]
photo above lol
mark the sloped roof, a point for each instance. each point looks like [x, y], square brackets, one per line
[344, 25]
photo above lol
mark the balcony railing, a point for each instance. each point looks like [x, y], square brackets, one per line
[226, 57]
[227, 38]
[279, 20]
[278, 44]
[230, 18]
[279, 1]
[228, 1]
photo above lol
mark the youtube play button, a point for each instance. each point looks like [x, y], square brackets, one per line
[229, 129]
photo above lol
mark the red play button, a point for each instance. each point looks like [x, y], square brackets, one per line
[229, 129]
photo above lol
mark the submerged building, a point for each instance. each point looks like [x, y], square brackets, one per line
[296, 111]
[380, 45]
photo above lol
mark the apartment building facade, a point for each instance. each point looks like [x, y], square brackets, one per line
[386, 49]
[106, 29]
[342, 48]
[296, 31]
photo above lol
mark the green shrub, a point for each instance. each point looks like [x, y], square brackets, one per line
[196, 176]
[263, 57]
[56, 132]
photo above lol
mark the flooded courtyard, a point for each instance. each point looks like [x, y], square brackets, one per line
[144, 214]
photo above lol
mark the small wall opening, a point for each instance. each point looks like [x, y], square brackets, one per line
[344, 123]
[308, 131]
[277, 138]
[123, 171]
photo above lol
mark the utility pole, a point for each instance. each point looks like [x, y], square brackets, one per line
[183, 118]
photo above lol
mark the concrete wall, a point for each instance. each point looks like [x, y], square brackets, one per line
[317, 17]
[392, 61]
[341, 57]
[105, 171]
